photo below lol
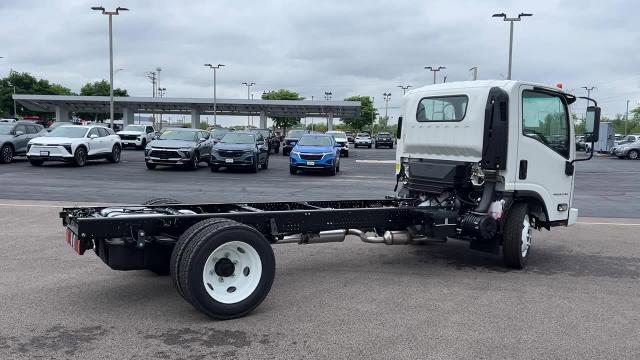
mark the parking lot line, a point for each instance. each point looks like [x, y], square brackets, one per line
[376, 161]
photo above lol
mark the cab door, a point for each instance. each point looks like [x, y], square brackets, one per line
[544, 149]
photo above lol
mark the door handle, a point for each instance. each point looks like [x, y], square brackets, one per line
[522, 173]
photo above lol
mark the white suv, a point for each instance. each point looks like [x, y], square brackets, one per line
[136, 135]
[362, 139]
[75, 144]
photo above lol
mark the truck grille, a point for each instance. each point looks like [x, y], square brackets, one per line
[165, 154]
[128, 137]
[231, 153]
[311, 156]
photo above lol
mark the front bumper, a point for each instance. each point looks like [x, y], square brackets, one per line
[306, 162]
[167, 156]
[362, 143]
[131, 142]
[246, 159]
[384, 143]
[50, 153]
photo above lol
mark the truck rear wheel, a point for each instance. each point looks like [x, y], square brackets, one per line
[226, 269]
[517, 235]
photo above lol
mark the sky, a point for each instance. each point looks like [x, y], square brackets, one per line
[355, 47]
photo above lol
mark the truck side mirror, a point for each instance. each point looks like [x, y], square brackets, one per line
[592, 124]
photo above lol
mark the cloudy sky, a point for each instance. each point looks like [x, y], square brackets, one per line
[353, 47]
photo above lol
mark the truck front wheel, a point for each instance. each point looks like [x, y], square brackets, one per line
[225, 270]
[517, 235]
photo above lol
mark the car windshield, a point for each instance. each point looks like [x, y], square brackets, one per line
[238, 138]
[219, 133]
[363, 135]
[264, 133]
[174, 134]
[134, 128]
[69, 132]
[337, 134]
[295, 134]
[5, 128]
[315, 141]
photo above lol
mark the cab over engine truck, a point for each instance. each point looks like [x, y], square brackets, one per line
[484, 161]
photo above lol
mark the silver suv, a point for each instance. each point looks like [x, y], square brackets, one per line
[14, 137]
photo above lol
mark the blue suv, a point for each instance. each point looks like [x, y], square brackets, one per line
[315, 151]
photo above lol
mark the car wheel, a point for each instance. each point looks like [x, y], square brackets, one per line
[193, 165]
[150, 166]
[144, 144]
[517, 235]
[265, 165]
[633, 154]
[256, 165]
[332, 170]
[376, 146]
[80, 156]
[284, 152]
[214, 168]
[293, 170]
[36, 162]
[338, 167]
[277, 150]
[346, 153]
[6, 154]
[115, 154]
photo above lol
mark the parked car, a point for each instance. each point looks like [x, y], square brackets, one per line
[137, 135]
[629, 151]
[291, 140]
[14, 138]
[315, 152]
[580, 143]
[179, 147]
[350, 137]
[241, 149]
[270, 138]
[362, 139]
[384, 139]
[76, 144]
[341, 138]
[218, 133]
[625, 140]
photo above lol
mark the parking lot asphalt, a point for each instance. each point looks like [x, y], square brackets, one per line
[577, 299]
[605, 187]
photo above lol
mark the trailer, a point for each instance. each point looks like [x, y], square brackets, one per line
[487, 162]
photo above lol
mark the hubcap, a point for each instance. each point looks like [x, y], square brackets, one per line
[116, 154]
[633, 155]
[232, 272]
[527, 230]
[6, 154]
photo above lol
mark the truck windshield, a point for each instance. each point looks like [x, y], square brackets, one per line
[68, 132]
[238, 138]
[315, 141]
[134, 128]
[173, 134]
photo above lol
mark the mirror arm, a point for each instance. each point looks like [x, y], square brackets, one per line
[585, 159]
[595, 103]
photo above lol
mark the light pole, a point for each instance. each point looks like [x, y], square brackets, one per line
[15, 113]
[404, 88]
[434, 70]
[327, 95]
[626, 117]
[386, 97]
[110, 14]
[510, 20]
[249, 85]
[475, 72]
[158, 71]
[215, 99]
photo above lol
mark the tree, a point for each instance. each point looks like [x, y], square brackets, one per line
[26, 83]
[367, 113]
[99, 88]
[283, 94]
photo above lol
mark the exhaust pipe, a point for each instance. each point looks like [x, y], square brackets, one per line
[389, 237]
[319, 238]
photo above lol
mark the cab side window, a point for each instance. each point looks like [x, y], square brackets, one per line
[149, 129]
[103, 132]
[93, 131]
[545, 119]
[21, 128]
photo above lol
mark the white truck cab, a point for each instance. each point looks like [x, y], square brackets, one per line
[488, 149]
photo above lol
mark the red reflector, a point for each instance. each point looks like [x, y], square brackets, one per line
[69, 236]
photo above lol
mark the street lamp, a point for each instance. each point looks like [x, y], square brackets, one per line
[327, 95]
[475, 72]
[249, 85]
[510, 20]
[15, 113]
[161, 91]
[110, 14]
[434, 70]
[386, 97]
[404, 88]
[215, 100]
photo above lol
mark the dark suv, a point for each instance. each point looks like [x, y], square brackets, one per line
[291, 140]
[240, 149]
[272, 140]
[384, 139]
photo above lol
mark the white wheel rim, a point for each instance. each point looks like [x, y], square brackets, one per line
[525, 242]
[242, 282]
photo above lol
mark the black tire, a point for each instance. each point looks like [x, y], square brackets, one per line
[144, 144]
[6, 154]
[214, 168]
[338, 167]
[36, 162]
[633, 154]
[332, 170]
[195, 161]
[376, 146]
[150, 166]
[190, 265]
[346, 153]
[277, 149]
[512, 236]
[284, 152]
[256, 165]
[161, 201]
[116, 152]
[265, 165]
[80, 156]
[293, 170]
